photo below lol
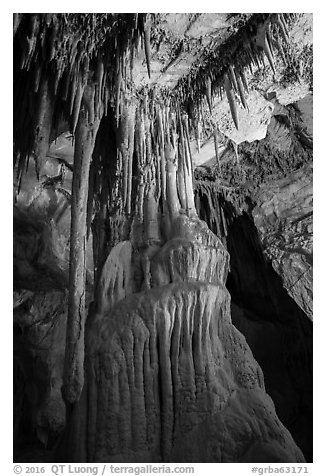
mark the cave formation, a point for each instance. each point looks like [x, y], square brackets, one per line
[162, 238]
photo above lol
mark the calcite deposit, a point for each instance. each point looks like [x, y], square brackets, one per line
[169, 378]
[162, 237]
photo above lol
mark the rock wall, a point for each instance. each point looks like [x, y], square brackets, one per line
[39, 340]
[270, 247]
[284, 217]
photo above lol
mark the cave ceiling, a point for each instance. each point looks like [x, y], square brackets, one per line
[188, 56]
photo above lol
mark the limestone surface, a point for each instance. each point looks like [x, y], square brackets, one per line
[168, 376]
[284, 217]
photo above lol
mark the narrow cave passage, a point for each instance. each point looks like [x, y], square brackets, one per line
[278, 332]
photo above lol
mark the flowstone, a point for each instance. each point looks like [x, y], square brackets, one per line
[168, 376]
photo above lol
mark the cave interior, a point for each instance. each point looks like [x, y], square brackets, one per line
[162, 237]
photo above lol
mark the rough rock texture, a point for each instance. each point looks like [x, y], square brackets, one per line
[41, 273]
[278, 332]
[269, 311]
[283, 216]
[42, 221]
[267, 92]
[169, 378]
[39, 340]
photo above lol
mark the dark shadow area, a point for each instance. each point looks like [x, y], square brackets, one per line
[278, 332]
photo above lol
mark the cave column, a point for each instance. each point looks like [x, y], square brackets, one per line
[86, 130]
[171, 181]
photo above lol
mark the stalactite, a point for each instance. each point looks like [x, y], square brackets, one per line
[186, 143]
[37, 79]
[161, 135]
[241, 91]
[224, 224]
[198, 135]
[261, 40]
[157, 166]
[148, 142]
[216, 148]
[140, 151]
[282, 24]
[281, 50]
[89, 103]
[118, 89]
[233, 78]
[147, 42]
[31, 43]
[235, 147]
[99, 81]
[90, 197]
[77, 104]
[231, 99]
[131, 139]
[208, 91]
[182, 165]
[53, 37]
[73, 90]
[17, 19]
[123, 152]
[43, 122]
[269, 39]
[181, 180]
[132, 61]
[74, 357]
[244, 80]
[73, 54]
[151, 222]
[191, 209]
[171, 181]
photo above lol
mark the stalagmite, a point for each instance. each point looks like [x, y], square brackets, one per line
[74, 357]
